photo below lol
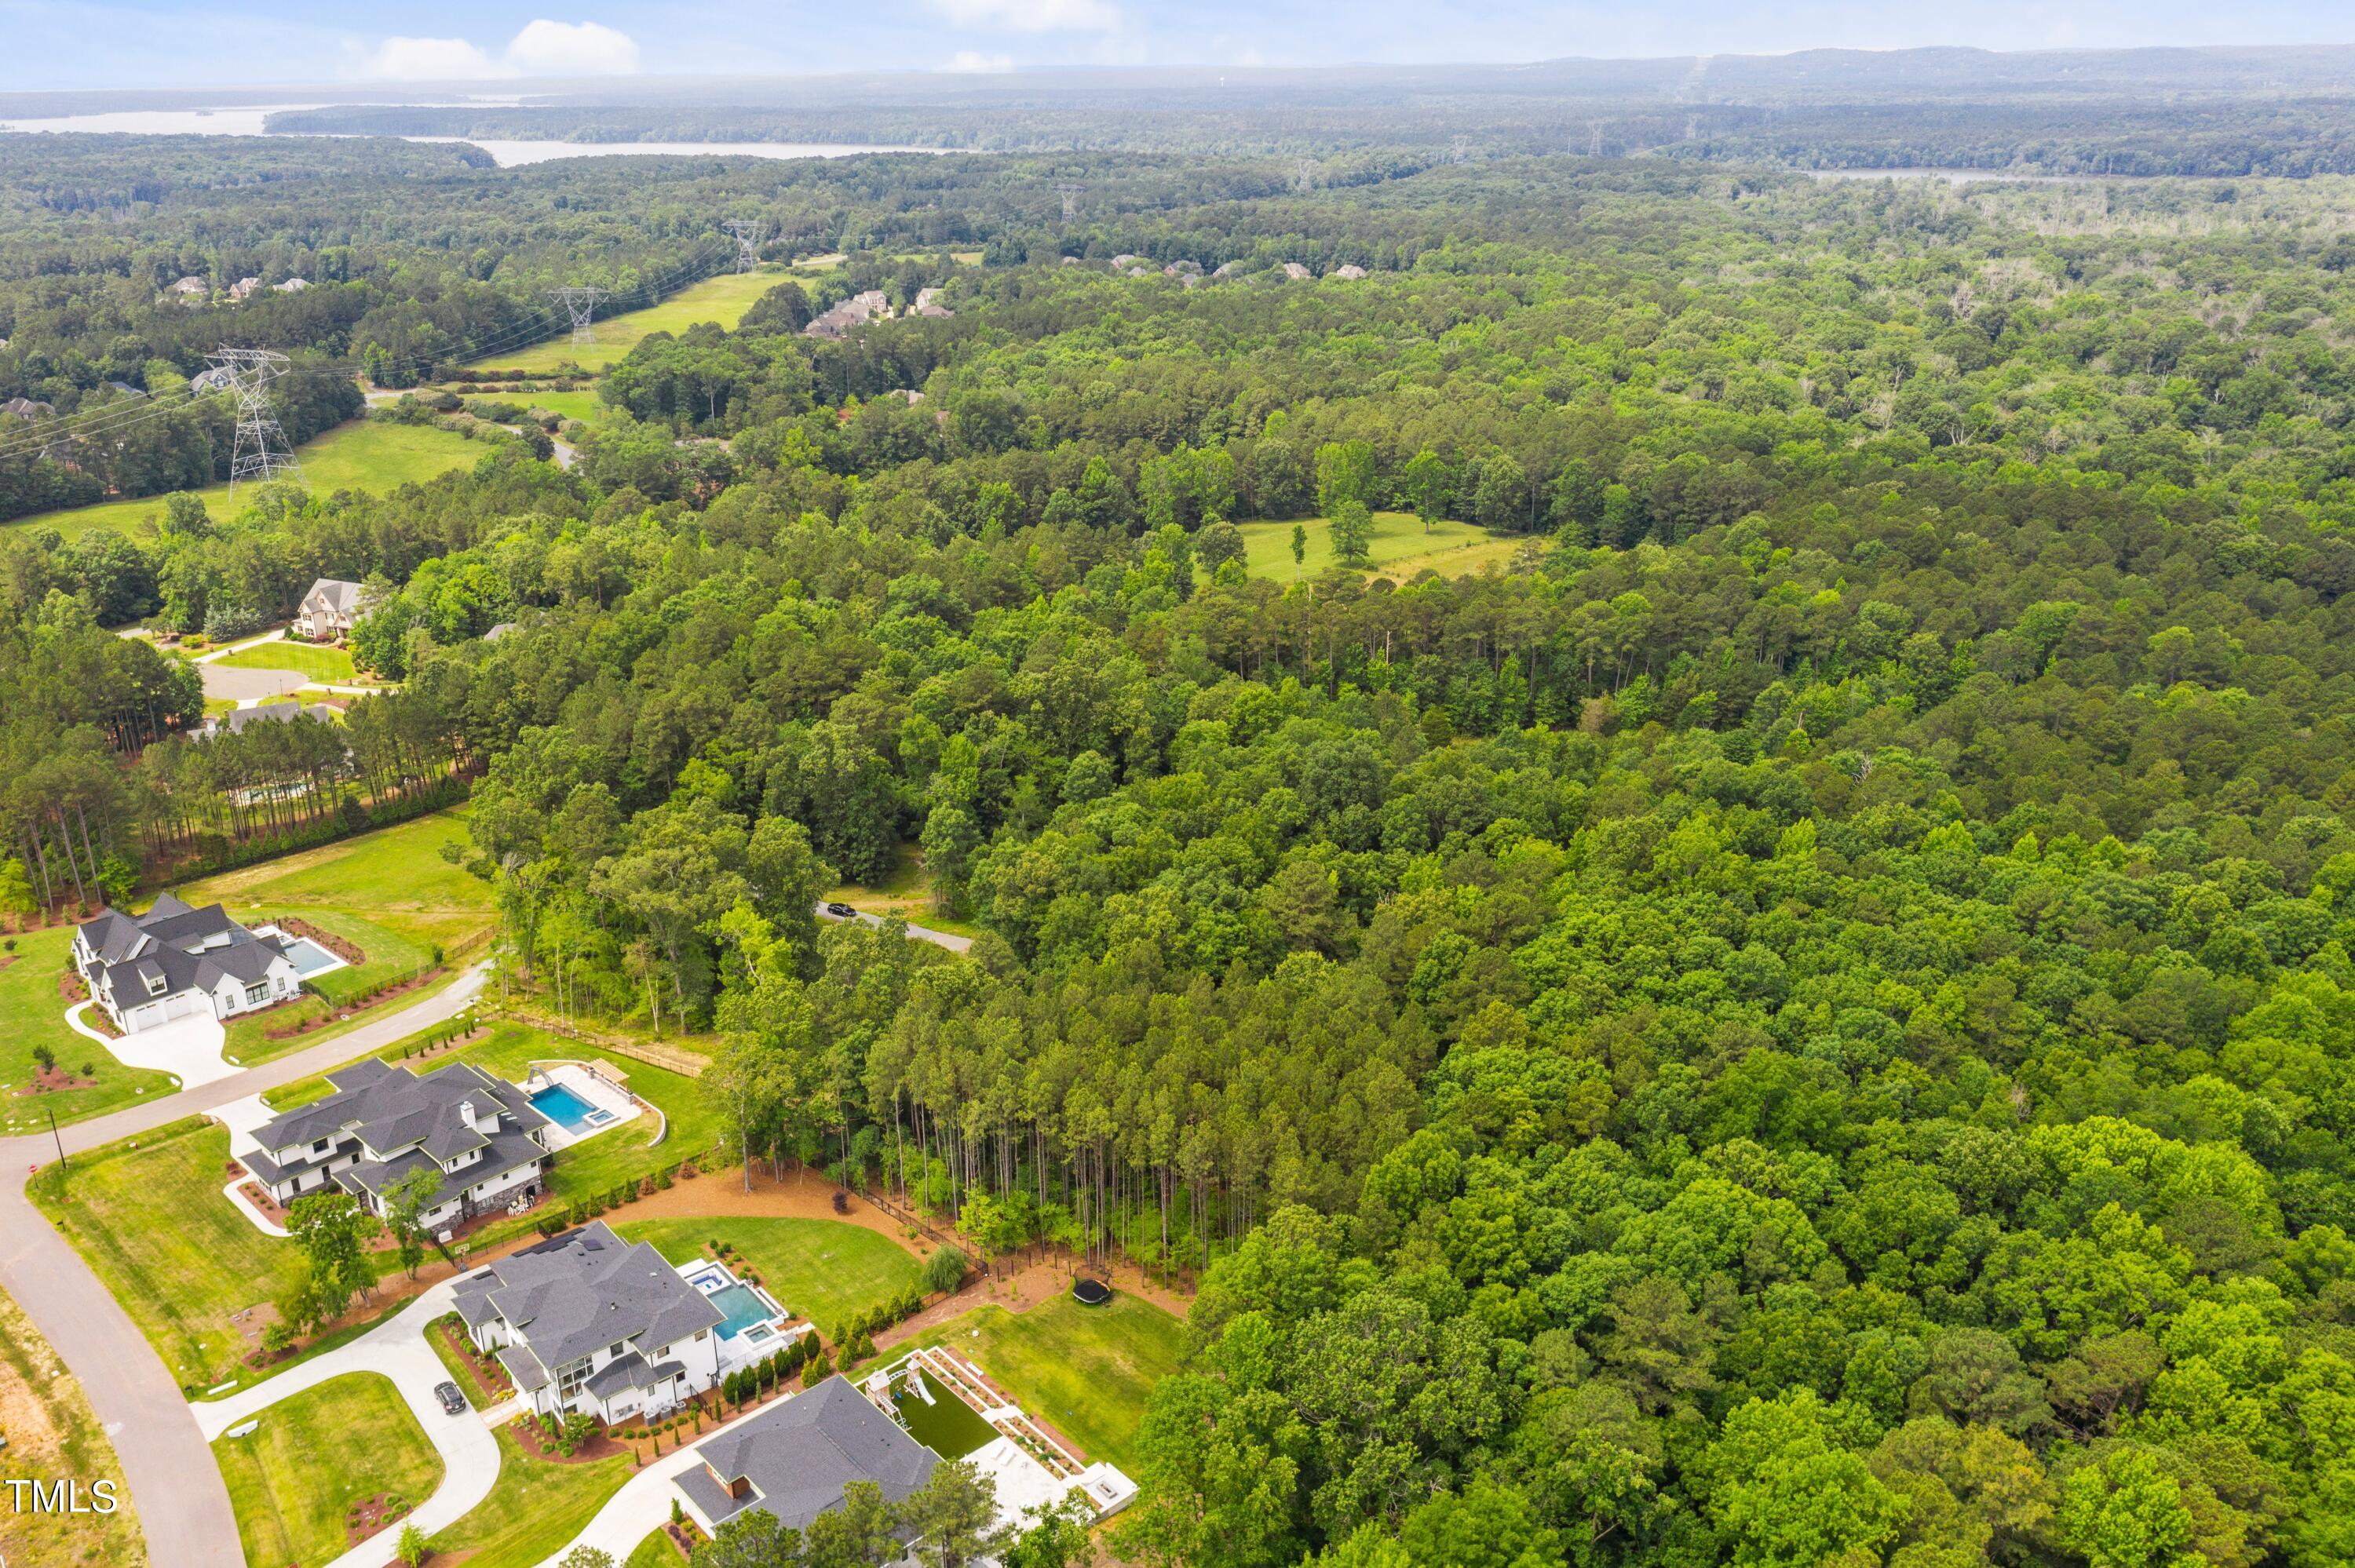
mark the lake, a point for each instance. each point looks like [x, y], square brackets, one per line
[507, 154]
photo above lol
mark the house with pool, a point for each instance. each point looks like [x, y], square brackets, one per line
[177, 960]
[586, 1322]
[483, 1136]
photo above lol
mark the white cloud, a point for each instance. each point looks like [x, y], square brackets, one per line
[973, 62]
[429, 59]
[1032, 16]
[573, 49]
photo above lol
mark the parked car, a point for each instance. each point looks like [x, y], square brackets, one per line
[840, 911]
[452, 1400]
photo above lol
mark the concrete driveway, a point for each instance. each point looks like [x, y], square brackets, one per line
[395, 1348]
[188, 1048]
[240, 685]
[183, 1504]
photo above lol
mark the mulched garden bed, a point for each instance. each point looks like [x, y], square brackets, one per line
[492, 1377]
[55, 1080]
[540, 1445]
[372, 1514]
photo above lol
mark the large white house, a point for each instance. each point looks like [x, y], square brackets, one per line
[328, 610]
[588, 1323]
[176, 961]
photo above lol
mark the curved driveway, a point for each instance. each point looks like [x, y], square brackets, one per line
[395, 1348]
[183, 1506]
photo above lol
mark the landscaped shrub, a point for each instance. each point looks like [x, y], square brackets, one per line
[863, 1346]
[944, 1270]
[820, 1367]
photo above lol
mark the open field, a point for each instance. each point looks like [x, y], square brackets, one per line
[723, 299]
[360, 454]
[315, 1454]
[32, 1014]
[584, 405]
[1084, 1370]
[536, 1506]
[394, 878]
[331, 665]
[53, 1435]
[1400, 547]
[823, 1270]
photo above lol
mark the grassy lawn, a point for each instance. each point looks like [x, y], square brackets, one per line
[360, 454]
[391, 954]
[32, 1013]
[533, 1510]
[151, 1223]
[1399, 543]
[331, 665]
[395, 878]
[723, 299]
[53, 1435]
[1084, 1370]
[656, 1552]
[586, 1170]
[824, 1269]
[584, 405]
[906, 892]
[316, 1452]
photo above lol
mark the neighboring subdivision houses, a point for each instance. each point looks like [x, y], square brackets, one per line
[383, 1122]
[591, 1323]
[176, 961]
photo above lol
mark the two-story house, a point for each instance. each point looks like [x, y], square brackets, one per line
[328, 610]
[588, 1323]
[382, 1123]
[176, 961]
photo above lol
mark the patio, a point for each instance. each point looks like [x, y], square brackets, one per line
[580, 1100]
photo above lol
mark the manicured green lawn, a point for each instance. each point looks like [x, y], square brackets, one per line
[331, 665]
[316, 1452]
[151, 1223]
[584, 405]
[1086, 1370]
[394, 878]
[1397, 536]
[390, 955]
[656, 1552]
[823, 1270]
[360, 454]
[533, 1510]
[33, 1013]
[723, 299]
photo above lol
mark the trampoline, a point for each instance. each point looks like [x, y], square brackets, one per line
[1090, 1292]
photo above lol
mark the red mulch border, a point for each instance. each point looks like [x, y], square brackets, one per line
[372, 1515]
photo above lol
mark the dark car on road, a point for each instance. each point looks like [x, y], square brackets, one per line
[452, 1400]
[840, 911]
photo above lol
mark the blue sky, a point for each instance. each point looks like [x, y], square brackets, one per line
[102, 43]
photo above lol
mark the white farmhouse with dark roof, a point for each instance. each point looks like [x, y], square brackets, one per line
[383, 1122]
[328, 610]
[588, 1323]
[176, 961]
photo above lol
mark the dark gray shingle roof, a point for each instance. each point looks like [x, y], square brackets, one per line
[800, 1455]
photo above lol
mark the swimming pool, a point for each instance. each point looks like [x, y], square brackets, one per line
[308, 958]
[567, 1109]
[741, 1308]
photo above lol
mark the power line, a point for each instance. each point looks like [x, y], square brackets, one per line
[1069, 190]
[749, 233]
[581, 301]
[262, 452]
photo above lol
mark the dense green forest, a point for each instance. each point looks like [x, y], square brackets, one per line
[1806, 1020]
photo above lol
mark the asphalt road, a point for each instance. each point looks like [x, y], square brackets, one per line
[183, 1506]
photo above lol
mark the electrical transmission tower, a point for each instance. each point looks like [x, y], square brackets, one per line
[1595, 138]
[1304, 174]
[262, 451]
[580, 303]
[1463, 145]
[749, 233]
[1069, 191]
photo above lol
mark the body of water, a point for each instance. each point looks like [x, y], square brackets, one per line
[507, 154]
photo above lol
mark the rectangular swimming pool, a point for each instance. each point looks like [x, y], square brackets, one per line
[308, 958]
[567, 1109]
[741, 1308]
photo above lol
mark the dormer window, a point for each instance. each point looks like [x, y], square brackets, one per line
[154, 985]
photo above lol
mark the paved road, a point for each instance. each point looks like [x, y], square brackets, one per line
[396, 1348]
[938, 938]
[183, 1507]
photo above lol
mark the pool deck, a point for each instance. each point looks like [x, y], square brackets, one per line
[592, 1089]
